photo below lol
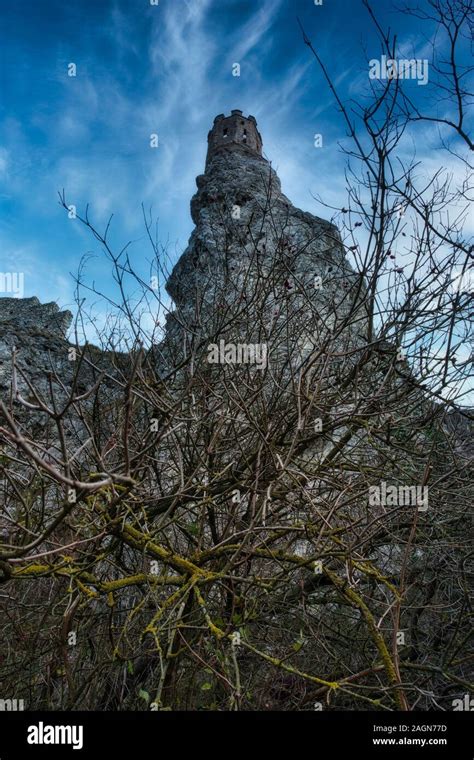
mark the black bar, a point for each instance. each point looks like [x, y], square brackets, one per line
[123, 735]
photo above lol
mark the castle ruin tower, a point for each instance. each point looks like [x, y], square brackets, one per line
[232, 130]
[248, 237]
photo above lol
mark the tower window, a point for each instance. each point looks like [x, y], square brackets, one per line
[225, 132]
[245, 136]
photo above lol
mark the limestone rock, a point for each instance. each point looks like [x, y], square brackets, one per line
[251, 246]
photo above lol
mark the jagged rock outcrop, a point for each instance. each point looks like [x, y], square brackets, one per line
[30, 314]
[37, 334]
[38, 363]
[252, 249]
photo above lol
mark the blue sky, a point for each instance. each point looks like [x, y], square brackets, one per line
[163, 69]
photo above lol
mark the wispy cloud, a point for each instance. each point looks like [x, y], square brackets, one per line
[257, 28]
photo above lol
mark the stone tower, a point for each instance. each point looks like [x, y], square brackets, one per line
[250, 245]
[235, 129]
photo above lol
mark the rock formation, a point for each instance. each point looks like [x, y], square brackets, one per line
[37, 331]
[252, 248]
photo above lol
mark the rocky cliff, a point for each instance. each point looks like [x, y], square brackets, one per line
[252, 253]
[35, 334]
